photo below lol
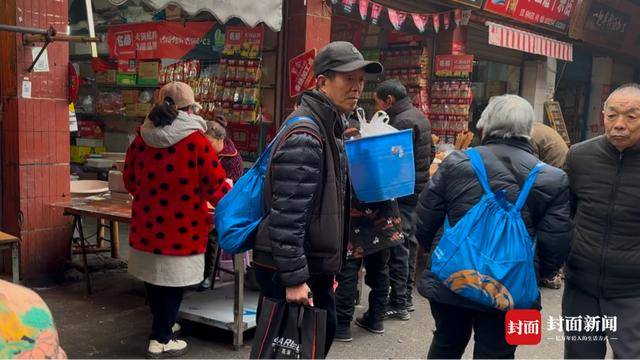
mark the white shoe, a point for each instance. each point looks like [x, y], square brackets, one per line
[175, 329]
[172, 349]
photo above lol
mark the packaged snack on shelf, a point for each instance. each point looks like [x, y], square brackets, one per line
[231, 70]
[238, 93]
[218, 91]
[130, 96]
[228, 92]
[251, 73]
[109, 103]
[248, 98]
[241, 70]
[222, 69]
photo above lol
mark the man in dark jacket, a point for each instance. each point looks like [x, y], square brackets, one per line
[454, 190]
[391, 96]
[301, 243]
[603, 270]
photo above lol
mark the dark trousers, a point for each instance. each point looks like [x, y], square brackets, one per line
[376, 277]
[210, 255]
[164, 302]
[402, 262]
[453, 331]
[624, 341]
[323, 296]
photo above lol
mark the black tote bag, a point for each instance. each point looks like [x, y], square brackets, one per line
[289, 331]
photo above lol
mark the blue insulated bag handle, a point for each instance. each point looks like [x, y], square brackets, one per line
[528, 185]
[478, 168]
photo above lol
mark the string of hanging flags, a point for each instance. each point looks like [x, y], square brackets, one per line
[371, 10]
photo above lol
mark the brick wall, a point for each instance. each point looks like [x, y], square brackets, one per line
[35, 140]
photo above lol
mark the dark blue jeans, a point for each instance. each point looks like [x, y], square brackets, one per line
[376, 277]
[402, 262]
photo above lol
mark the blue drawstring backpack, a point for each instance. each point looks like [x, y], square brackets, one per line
[488, 255]
[241, 210]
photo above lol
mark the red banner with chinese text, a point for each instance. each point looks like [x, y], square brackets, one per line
[157, 40]
[551, 14]
[301, 75]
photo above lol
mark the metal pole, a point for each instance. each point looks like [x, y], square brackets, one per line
[92, 29]
[23, 29]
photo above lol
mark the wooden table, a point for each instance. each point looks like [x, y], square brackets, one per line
[10, 242]
[103, 209]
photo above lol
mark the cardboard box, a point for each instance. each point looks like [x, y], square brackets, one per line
[130, 110]
[148, 72]
[130, 96]
[142, 110]
[127, 66]
[126, 79]
[108, 77]
[79, 154]
[90, 129]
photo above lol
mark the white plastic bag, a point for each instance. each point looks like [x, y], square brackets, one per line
[378, 125]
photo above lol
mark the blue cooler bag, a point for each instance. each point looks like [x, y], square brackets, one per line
[241, 210]
[487, 257]
[381, 167]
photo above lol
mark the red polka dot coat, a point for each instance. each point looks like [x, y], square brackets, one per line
[170, 188]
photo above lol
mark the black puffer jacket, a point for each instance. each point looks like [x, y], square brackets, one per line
[403, 115]
[306, 196]
[605, 252]
[454, 189]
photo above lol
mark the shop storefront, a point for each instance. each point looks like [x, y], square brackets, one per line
[408, 42]
[609, 35]
[230, 65]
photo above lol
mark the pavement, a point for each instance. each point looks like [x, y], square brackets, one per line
[114, 323]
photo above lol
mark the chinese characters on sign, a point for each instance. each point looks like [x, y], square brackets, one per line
[607, 20]
[454, 65]
[161, 40]
[524, 327]
[301, 75]
[552, 14]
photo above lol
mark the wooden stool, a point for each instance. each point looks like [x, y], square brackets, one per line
[10, 242]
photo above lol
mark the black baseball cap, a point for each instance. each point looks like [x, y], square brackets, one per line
[342, 56]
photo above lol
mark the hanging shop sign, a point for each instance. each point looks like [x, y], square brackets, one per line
[173, 40]
[301, 75]
[551, 14]
[608, 24]
[453, 65]
[473, 3]
[243, 41]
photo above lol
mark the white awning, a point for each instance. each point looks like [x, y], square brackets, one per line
[504, 36]
[251, 12]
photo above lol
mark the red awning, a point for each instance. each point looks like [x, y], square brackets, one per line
[504, 36]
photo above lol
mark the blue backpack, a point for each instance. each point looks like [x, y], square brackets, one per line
[241, 210]
[488, 255]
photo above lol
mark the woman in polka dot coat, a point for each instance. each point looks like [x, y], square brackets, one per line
[172, 172]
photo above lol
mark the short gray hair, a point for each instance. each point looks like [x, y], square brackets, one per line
[215, 130]
[623, 88]
[507, 116]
